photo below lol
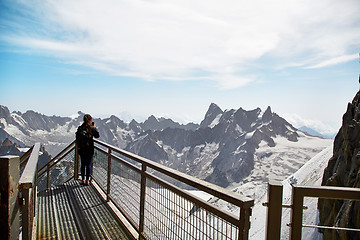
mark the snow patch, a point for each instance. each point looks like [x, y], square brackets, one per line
[310, 174]
[239, 129]
[215, 121]
[249, 135]
[281, 163]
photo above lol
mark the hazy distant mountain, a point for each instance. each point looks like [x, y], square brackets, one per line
[313, 132]
[224, 149]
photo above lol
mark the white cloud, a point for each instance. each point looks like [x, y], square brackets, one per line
[336, 60]
[172, 40]
[232, 81]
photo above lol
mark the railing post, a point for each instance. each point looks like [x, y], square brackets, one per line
[274, 211]
[142, 201]
[244, 226]
[296, 214]
[76, 163]
[26, 213]
[108, 176]
[47, 177]
[35, 191]
[9, 207]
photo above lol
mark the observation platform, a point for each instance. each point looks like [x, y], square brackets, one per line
[131, 197]
[75, 211]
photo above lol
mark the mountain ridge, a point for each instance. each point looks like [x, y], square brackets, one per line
[221, 149]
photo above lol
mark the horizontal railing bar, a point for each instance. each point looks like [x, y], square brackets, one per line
[122, 161]
[29, 173]
[25, 156]
[210, 188]
[198, 201]
[53, 163]
[329, 192]
[332, 228]
[57, 156]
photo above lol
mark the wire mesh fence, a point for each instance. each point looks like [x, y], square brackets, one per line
[156, 208]
[100, 168]
[170, 215]
[58, 171]
[125, 189]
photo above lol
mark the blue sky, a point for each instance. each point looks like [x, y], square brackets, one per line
[169, 58]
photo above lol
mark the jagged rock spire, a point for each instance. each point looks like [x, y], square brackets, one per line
[213, 111]
[343, 170]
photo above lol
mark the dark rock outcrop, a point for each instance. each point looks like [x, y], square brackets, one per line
[343, 170]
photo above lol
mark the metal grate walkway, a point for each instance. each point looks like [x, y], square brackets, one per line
[73, 211]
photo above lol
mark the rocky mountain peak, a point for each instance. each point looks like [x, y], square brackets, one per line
[210, 115]
[135, 126]
[5, 114]
[114, 121]
[151, 123]
[267, 114]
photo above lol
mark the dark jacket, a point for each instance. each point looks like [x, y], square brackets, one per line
[88, 149]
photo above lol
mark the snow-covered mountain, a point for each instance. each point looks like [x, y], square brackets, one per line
[310, 174]
[228, 148]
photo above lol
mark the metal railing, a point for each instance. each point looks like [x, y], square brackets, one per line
[275, 191]
[28, 191]
[59, 169]
[155, 208]
[158, 209]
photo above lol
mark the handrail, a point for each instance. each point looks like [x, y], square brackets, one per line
[24, 158]
[228, 216]
[30, 171]
[328, 192]
[161, 189]
[274, 215]
[52, 161]
[149, 192]
[55, 161]
[242, 222]
[236, 199]
[27, 188]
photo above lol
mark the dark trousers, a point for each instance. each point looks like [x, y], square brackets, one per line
[86, 166]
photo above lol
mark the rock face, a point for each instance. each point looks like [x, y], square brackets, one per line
[343, 170]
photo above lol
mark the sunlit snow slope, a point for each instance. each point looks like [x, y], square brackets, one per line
[309, 174]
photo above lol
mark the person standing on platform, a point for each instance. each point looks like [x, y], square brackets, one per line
[85, 143]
